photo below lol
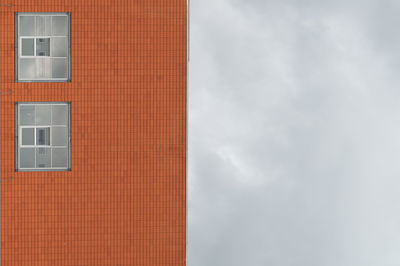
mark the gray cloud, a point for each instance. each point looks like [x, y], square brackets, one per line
[293, 133]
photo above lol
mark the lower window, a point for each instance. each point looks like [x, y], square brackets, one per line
[42, 136]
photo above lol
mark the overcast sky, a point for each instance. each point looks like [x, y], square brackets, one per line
[294, 133]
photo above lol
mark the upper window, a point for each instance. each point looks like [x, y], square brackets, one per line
[42, 136]
[42, 47]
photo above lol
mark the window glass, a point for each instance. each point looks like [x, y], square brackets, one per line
[60, 157]
[43, 136]
[27, 46]
[27, 115]
[59, 68]
[43, 115]
[59, 136]
[60, 25]
[28, 136]
[27, 26]
[59, 115]
[43, 68]
[27, 157]
[42, 46]
[43, 158]
[43, 25]
[27, 68]
[59, 47]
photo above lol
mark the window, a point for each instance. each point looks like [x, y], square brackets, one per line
[42, 136]
[42, 50]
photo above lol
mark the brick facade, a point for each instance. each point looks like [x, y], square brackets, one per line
[124, 200]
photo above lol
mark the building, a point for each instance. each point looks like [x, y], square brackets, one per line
[93, 132]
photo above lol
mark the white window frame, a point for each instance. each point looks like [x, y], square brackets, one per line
[18, 52]
[34, 127]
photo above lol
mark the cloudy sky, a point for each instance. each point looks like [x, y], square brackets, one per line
[294, 133]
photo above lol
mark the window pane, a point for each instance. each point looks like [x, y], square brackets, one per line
[43, 136]
[59, 68]
[40, 25]
[43, 158]
[27, 68]
[59, 136]
[43, 68]
[60, 115]
[28, 137]
[27, 47]
[60, 25]
[47, 31]
[43, 25]
[60, 157]
[27, 115]
[27, 26]
[27, 157]
[43, 47]
[59, 46]
[43, 115]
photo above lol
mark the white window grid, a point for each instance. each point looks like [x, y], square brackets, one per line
[34, 47]
[34, 43]
[34, 135]
[40, 146]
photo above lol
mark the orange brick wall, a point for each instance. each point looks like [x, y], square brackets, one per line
[124, 202]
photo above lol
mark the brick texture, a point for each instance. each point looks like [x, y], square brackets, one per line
[124, 202]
